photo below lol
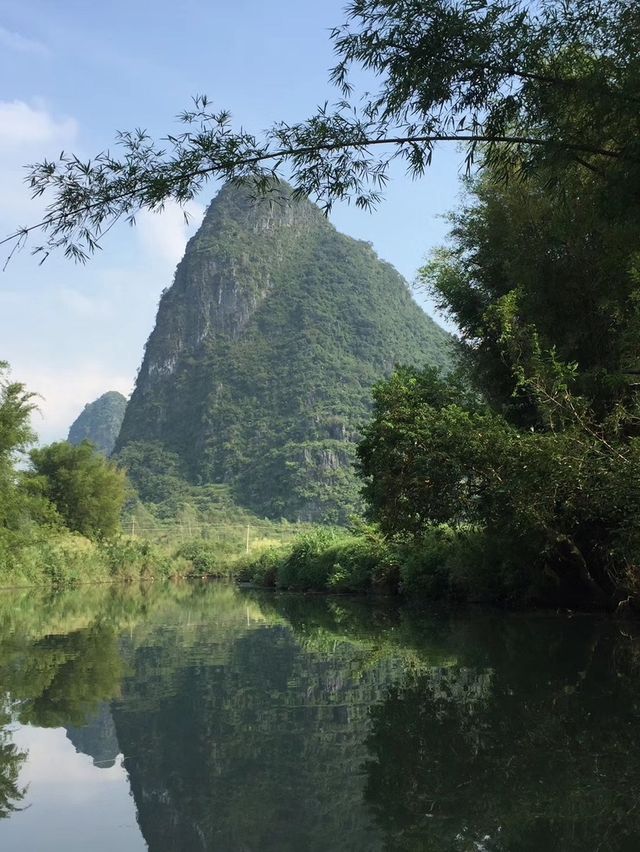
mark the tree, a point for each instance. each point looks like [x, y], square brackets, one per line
[545, 290]
[16, 435]
[553, 82]
[530, 277]
[558, 509]
[87, 490]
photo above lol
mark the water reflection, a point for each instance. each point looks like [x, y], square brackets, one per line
[11, 760]
[263, 722]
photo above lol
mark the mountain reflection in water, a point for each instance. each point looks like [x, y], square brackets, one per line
[245, 721]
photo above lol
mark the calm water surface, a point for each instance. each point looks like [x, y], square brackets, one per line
[208, 718]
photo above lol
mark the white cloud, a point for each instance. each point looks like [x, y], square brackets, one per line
[28, 133]
[164, 235]
[71, 333]
[22, 44]
[24, 125]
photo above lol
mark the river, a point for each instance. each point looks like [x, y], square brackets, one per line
[205, 717]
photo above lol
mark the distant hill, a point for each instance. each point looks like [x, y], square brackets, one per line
[259, 371]
[100, 422]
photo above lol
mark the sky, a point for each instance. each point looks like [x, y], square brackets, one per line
[72, 73]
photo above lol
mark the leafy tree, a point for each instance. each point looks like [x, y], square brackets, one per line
[559, 509]
[16, 435]
[87, 490]
[532, 279]
[544, 288]
[553, 82]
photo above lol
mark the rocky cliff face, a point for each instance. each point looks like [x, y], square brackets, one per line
[100, 422]
[259, 370]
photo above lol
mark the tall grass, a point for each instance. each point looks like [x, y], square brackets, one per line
[44, 556]
[66, 559]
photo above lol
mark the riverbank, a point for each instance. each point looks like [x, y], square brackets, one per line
[456, 566]
[447, 563]
[62, 558]
[461, 565]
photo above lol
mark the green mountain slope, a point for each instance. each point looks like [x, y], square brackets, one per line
[259, 370]
[100, 422]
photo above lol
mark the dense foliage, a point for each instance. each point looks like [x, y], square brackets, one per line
[557, 509]
[87, 490]
[100, 422]
[532, 278]
[541, 277]
[259, 371]
[324, 559]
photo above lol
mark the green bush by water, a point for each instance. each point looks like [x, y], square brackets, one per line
[324, 559]
[445, 563]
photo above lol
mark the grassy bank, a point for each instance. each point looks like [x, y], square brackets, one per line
[444, 564]
[62, 558]
[45, 556]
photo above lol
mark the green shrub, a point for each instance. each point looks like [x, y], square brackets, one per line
[325, 559]
[307, 565]
[87, 490]
[462, 563]
[355, 564]
[51, 558]
[128, 559]
[203, 558]
[425, 568]
[262, 569]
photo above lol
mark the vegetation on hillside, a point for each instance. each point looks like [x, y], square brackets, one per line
[100, 422]
[259, 371]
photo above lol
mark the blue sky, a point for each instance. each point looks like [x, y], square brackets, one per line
[72, 74]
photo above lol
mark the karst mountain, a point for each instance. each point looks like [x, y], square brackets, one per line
[259, 370]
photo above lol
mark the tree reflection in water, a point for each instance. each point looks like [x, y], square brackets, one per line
[279, 722]
[538, 751]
